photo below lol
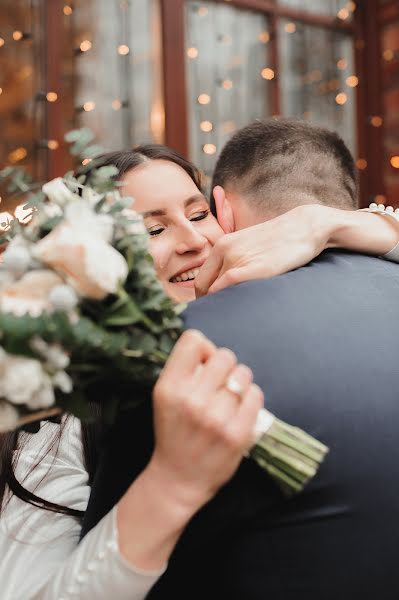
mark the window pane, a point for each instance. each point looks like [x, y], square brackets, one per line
[332, 8]
[228, 75]
[390, 45]
[317, 79]
[118, 92]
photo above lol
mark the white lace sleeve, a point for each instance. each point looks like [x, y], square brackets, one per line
[39, 551]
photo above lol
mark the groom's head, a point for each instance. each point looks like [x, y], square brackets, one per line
[272, 166]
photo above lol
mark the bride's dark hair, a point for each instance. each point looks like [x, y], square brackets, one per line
[11, 444]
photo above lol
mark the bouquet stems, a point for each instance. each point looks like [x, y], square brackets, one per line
[290, 455]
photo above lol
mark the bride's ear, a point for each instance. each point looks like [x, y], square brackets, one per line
[224, 211]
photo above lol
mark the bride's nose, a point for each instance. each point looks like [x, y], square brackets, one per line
[190, 239]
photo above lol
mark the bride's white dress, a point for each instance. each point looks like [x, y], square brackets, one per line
[40, 558]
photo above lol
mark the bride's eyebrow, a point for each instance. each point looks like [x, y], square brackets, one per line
[187, 203]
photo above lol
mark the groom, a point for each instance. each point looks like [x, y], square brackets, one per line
[322, 343]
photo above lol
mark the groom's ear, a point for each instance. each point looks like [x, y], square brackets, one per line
[224, 211]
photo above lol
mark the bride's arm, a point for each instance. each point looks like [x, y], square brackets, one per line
[291, 241]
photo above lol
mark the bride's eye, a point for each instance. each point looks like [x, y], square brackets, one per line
[153, 232]
[202, 215]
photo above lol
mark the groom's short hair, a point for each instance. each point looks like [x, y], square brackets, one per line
[277, 164]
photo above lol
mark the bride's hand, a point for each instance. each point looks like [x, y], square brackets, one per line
[290, 241]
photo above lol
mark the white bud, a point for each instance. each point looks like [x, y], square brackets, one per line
[63, 297]
[17, 259]
[62, 381]
[8, 417]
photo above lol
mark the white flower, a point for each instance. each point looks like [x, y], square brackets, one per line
[62, 381]
[63, 297]
[44, 396]
[55, 357]
[91, 196]
[77, 248]
[51, 210]
[57, 192]
[21, 379]
[16, 259]
[30, 294]
[8, 417]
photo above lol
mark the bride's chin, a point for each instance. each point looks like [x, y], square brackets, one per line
[180, 292]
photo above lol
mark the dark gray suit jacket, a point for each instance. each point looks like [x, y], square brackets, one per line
[323, 343]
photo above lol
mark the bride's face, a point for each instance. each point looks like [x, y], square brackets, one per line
[177, 217]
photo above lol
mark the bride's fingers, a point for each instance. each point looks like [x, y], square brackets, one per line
[223, 406]
[214, 374]
[191, 350]
[240, 428]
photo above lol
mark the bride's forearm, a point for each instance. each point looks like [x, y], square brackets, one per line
[361, 231]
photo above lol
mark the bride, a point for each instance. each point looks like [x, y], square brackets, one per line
[45, 478]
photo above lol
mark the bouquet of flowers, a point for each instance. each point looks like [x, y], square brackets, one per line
[83, 317]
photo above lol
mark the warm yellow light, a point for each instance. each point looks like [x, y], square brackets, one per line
[51, 96]
[86, 161]
[341, 98]
[388, 54]
[17, 35]
[227, 84]
[1, 91]
[17, 155]
[204, 99]
[290, 28]
[267, 73]
[52, 144]
[264, 37]
[85, 45]
[342, 64]
[67, 10]
[206, 126]
[209, 148]
[88, 106]
[116, 104]
[352, 81]
[351, 6]
[395, 162]
[376, 121]
[361, 163]
[123, 49]
[2, 42]
[380, 199]
[343, 14]
[192, 52]
[202, 11]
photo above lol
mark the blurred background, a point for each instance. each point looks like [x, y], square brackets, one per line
[188, 73]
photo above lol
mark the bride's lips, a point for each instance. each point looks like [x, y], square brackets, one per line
[189, 267]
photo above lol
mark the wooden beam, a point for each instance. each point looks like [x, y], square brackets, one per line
[174, 73]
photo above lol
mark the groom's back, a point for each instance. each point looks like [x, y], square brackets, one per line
[322, 342]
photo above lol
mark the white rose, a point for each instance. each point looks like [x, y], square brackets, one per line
[20, 379]
[8, 417]
[30, 294]
[57, 192]
[76, 248]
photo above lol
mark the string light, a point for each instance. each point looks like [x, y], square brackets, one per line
[116, 104]
[67, 10]
[206, 126]
[17, 155]
[51, 96]
[342, 64]
[192, 52]
[395, 162]
[361, 164]
[210, 148]
[380, 199]
[264, 37]
[290, 27]
[88, 106]
[343, 14]
[227, 84]
[85, 45]
[17, 36]
[351, 6]
[341, 98]
[267, 73]
[352, 81]
[123, 49]
[388, 55]
[376, 121]
[2, 42]
[1, 91]
[52, 145]
[86, 161]
[204, 99]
